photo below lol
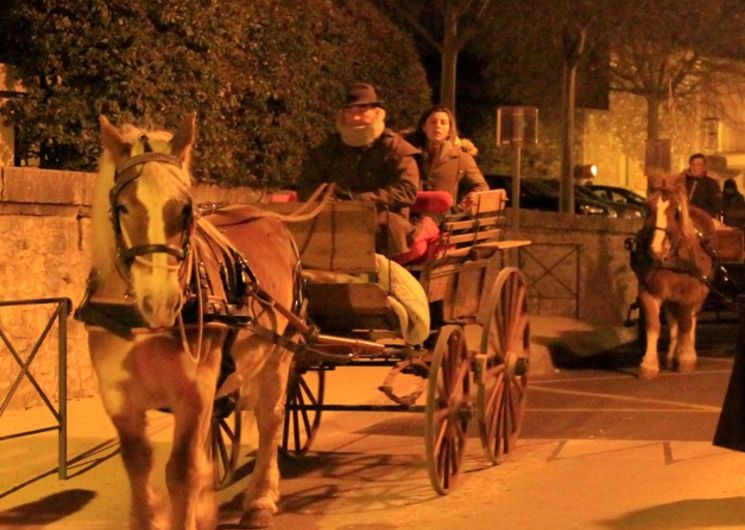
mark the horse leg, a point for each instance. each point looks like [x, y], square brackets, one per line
[671, 316]
[685, 352]
[148, 509]
[109, 356]
[262, 493]
[188, 471]
[650, 365]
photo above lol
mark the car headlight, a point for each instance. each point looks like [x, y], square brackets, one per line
[635, 214]
[589, 209]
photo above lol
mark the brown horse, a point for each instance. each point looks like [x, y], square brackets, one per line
[674, 268]
[148, 355]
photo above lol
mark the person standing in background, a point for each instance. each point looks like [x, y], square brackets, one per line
[733, 204]
[703, 191]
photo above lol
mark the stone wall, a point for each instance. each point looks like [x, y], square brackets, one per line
[44, 253]
[580, 254]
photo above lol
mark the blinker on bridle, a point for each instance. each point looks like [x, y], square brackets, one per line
[121, 181]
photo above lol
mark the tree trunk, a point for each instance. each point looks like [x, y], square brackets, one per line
[653, 118]
[566, 198]
[573, 46]
[449, 58]
[447, 78]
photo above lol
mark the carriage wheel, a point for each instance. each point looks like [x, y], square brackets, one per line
[449, 408]
[225, 438]
[303, 407]
[502, 365]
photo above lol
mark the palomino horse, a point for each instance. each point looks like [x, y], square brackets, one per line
[673, 267]
[148, 355]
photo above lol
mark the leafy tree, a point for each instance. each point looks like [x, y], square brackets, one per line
[536, 61]
[665, 49]
[265, 77]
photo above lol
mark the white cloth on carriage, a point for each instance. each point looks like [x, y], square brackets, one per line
[406, 295]
[407, 298]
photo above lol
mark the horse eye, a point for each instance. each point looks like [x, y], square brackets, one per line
[121, 209]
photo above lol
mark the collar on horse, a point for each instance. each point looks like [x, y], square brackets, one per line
[642, 259]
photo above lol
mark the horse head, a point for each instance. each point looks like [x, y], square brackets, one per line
[150, 213]
[668, 222]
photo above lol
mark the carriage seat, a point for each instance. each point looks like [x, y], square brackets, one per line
[458, 233]
[391, 298]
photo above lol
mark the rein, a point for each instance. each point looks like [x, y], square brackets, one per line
[325, 191]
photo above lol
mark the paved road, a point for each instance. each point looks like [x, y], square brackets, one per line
[599, 449]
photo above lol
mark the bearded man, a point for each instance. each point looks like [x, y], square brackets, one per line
[368, 162]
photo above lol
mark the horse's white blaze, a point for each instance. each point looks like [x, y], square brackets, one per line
[152, 277]
[660, 226]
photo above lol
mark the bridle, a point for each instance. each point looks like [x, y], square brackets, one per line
[656, 228]
[126, 173]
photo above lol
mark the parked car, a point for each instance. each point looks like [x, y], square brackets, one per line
[540, 194]
[625, 210]
[617, 194]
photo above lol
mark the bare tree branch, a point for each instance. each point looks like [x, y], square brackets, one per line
[473, 27]
[413, 21]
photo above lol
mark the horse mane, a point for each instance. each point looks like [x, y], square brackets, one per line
[686, 223]
[103, 238]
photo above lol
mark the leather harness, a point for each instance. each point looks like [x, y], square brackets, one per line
[217, 282]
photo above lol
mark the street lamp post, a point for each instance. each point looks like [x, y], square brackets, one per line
[517, 126]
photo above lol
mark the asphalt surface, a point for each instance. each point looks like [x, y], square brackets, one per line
[599, 449]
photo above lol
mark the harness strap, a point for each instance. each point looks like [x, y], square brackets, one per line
[131, 253]
[295, 347]
[153, 156]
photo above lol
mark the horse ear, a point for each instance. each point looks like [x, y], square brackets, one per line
[112, 140]
[184, 137]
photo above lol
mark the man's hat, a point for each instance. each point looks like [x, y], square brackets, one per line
[362, 94]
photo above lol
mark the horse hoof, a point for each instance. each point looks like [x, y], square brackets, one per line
[258, 518]
[648, 373]
[686, 366]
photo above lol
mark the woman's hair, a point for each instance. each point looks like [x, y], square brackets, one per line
[730, 184]
[452, 133]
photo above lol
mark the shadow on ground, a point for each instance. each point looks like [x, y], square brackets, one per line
[47, 510]
[687, 514]
[565, 354]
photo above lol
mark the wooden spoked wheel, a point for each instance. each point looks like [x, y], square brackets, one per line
[224, 444]
[501, 369]
[303, 408]
[449, 408]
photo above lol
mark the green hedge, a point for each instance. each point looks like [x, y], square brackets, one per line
[265, 76]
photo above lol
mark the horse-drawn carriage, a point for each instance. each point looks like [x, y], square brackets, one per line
[729, 279]
[179, 305]
[686, 264]
[356, 310]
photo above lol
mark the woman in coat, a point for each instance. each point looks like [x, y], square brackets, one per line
[447, 162]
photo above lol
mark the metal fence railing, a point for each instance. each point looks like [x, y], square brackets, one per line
[552, 271]
[59, 315]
